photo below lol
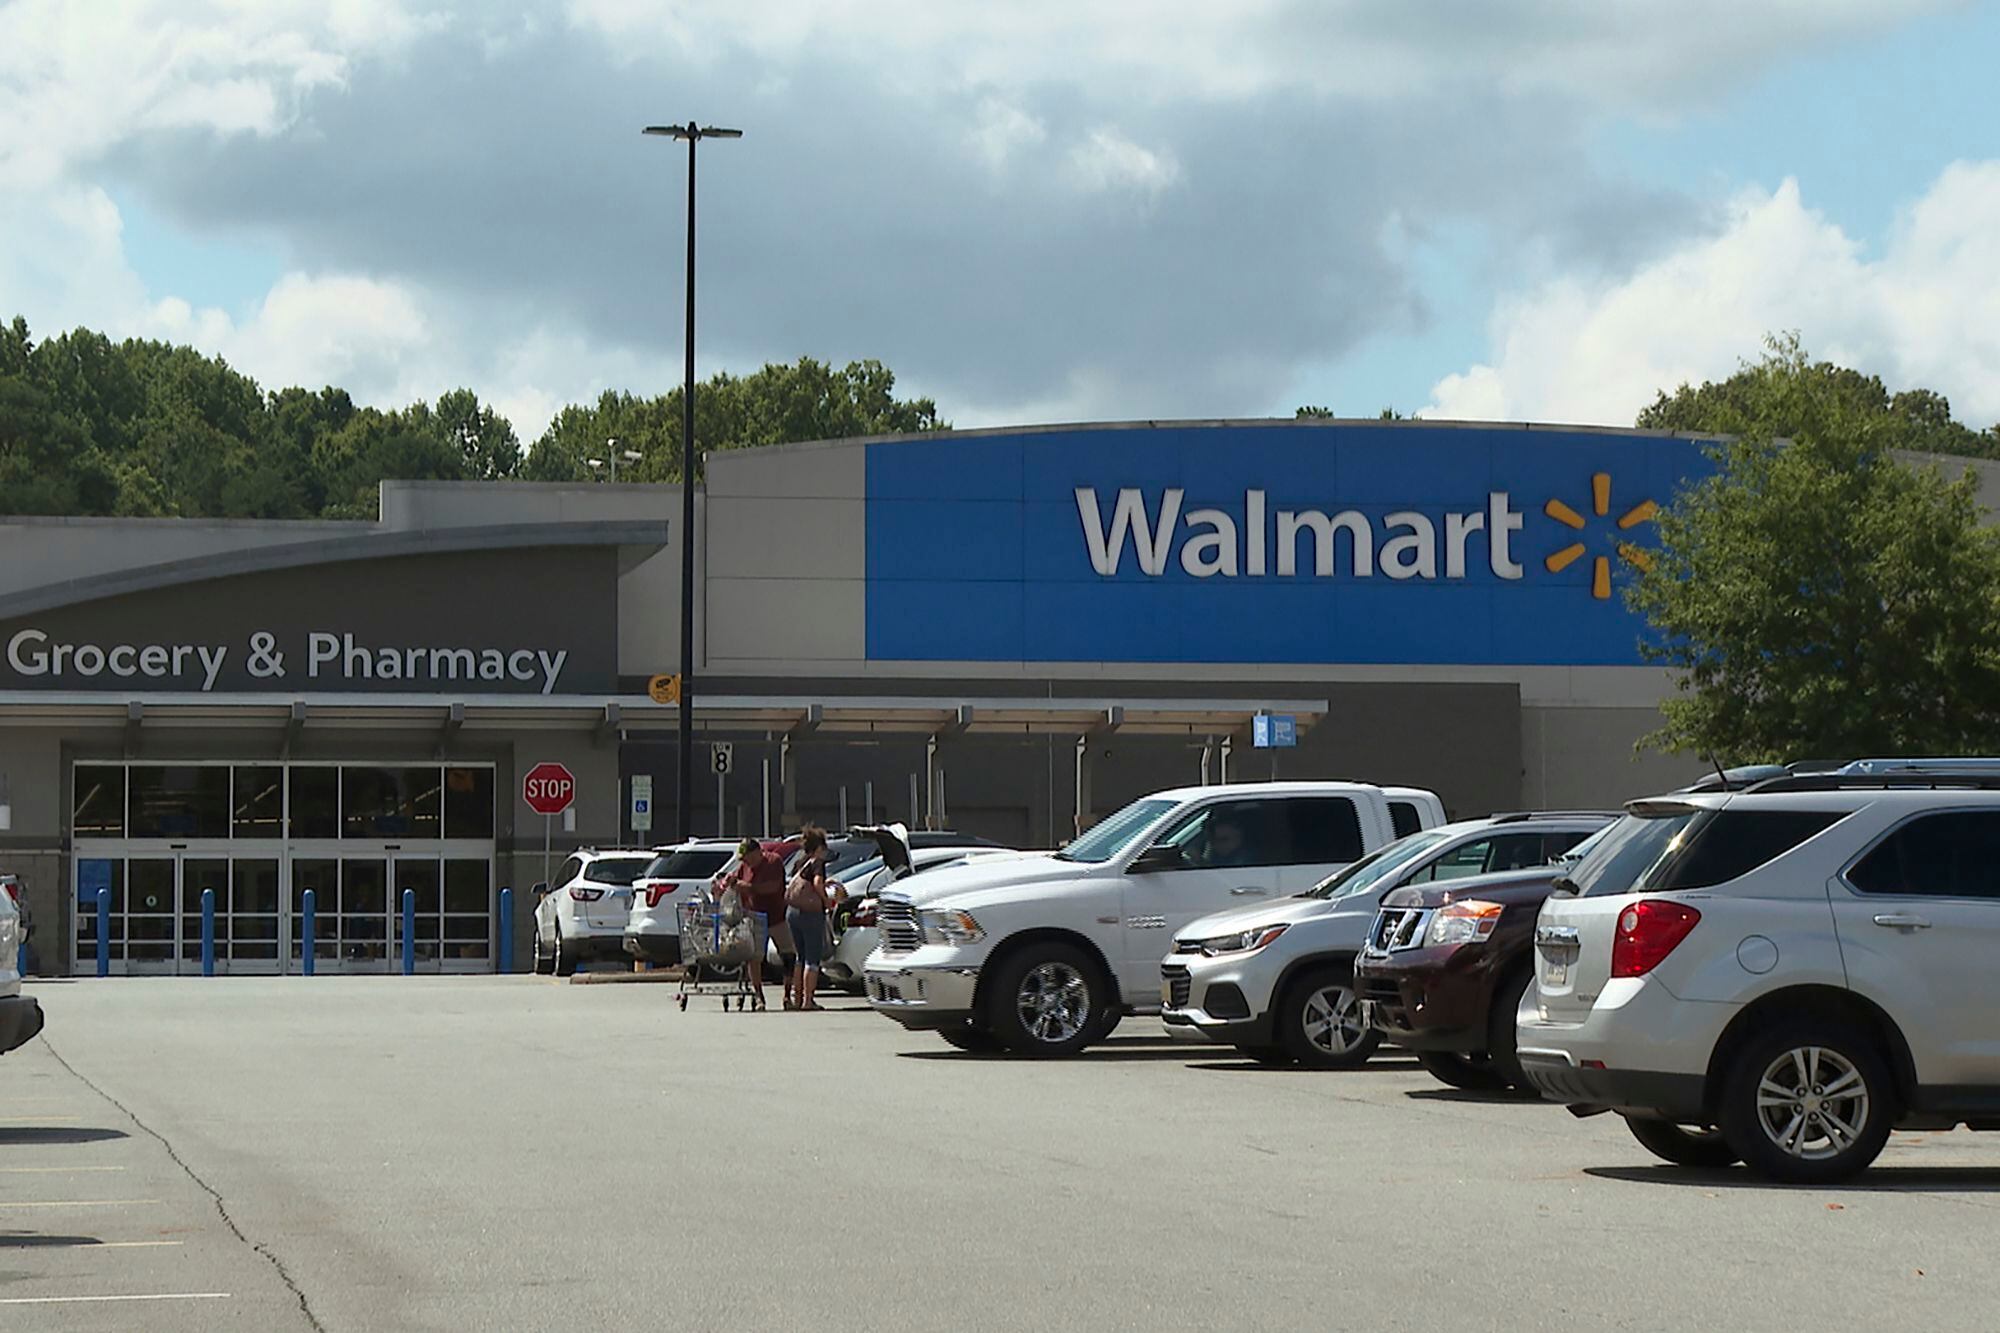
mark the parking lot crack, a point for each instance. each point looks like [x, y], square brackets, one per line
[221, 1205]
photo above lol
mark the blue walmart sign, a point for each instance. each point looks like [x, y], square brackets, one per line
[1362, 543]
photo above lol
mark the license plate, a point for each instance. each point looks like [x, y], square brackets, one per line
[1555, 971]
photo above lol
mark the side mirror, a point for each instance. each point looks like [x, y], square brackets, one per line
[540, 891]
[1160, 856]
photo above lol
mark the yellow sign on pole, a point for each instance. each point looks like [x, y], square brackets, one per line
[664, 689]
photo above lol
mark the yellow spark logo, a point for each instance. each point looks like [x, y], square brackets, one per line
[1600, 503]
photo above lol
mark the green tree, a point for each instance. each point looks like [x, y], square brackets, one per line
[779, 404]
[1756, 398]
[1817, 596]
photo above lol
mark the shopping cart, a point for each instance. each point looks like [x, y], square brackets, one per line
[718, 938]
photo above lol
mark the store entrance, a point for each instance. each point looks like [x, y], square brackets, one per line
[153, 837]
[155, 920]
[358, 909]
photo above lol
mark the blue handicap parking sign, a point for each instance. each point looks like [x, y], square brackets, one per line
[1274, 731]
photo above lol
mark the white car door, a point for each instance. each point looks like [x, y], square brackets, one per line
[1918, 917]
[1224, 854]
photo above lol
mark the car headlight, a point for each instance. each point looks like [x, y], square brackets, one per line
[1248, 941]
[951, 927]
[1466, 922]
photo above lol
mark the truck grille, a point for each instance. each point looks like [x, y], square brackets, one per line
[1398, 928]
[896, 926]
[1179, 985]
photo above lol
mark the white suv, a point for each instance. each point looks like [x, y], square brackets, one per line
[20, 1015]
[674, 875]
[1043, 954]
[1779, 976]
[583, 913]
[1276, 979]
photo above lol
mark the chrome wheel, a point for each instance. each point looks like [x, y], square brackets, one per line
[1053, 1002]
[1332, 1019]
[1812, 1103]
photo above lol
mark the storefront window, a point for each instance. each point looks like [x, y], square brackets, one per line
[390, 802]
[180, 801]
[315, 802]
[100, 801]
[468, 920]
[468, 803]
[93, 874]
[257, 805]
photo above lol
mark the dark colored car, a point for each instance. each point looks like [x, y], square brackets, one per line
[1445, 967]
[844, 851]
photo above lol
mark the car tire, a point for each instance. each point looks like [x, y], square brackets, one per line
[1049, 1000]
[541, 962]
[1463, 1072]
[563, 963]
[1682, 1146]
[1319, 1021]
[1501, 1040]
[975, 1041]
[1844, 1103]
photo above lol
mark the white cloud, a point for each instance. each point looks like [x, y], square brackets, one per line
[1107, 160]
[1627, 55]
[76, 79]
[1926, 312]
[1002, 130]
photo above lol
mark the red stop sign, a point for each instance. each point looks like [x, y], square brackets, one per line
[548, 789]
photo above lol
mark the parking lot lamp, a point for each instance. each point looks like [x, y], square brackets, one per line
[684, 788]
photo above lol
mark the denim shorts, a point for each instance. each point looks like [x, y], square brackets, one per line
[808, 935]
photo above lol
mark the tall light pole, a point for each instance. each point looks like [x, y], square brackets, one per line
[684, 788]
[612, 453]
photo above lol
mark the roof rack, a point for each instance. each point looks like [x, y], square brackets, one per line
[1517, 816]
[1906, 781]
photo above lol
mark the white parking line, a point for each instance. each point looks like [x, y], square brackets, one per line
[38, 1119]
[87, 1244]
[152, 1296]
[79, 1203]
[53, 1170]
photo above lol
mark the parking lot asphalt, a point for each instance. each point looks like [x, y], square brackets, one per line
[513, 1152]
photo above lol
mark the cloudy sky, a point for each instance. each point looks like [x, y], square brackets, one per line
[1543, 209]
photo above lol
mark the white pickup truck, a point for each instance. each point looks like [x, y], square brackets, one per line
[1043, 955]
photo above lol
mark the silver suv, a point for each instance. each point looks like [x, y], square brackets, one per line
[1779, 976]
[1276, 979]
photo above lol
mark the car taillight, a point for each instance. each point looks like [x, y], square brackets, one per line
[13, 891]
[586, 895]
[657, 890]
[1648, 931]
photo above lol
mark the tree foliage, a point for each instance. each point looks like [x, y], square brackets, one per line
[1818, 596]
[1757, 397]
[780, 404]
[92, 426]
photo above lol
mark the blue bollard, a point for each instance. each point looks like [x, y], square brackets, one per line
[409, 931]
[21, 959]
[505, 954]
[208, 932]
[104, 932]
[310, 907]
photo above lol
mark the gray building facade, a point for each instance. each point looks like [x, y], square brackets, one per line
[1009, 632]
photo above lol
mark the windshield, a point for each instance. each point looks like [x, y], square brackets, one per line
[615, 869]
[1372, 870]
[1626, 852]
[687, 865]
[1117, 833]
[1584, 848]
[860, 871]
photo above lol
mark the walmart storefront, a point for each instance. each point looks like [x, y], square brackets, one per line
[1008, 631]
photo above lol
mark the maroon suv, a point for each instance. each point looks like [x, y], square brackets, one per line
[1445, 967]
